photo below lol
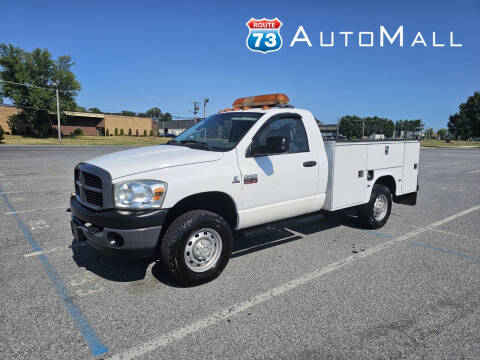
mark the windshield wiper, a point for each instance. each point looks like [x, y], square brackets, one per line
[201, 143]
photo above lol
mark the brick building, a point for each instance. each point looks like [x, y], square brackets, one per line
[91, 124]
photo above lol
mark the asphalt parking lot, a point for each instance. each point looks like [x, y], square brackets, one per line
[307, 288]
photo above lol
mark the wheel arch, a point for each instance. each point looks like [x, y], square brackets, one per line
[388, 181]
[215, 201]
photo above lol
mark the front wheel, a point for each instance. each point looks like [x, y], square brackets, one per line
[375, 213]
[196, 247]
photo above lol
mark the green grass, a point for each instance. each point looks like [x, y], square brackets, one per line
[452, 143]
[85, 140]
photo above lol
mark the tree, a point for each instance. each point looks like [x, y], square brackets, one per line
[412, 126]
[116, 132]
[167, 117]
[378, 125]
[465, 124]
[136, 133]
[127, 113]
[429, 133]
[122, 133]
[442, 133]
[351, 126]
[129, 132]
[107, 133]
[2, 132]
[151, 132]
[154, 112]
[144, 133]
[94, 110]
[36, 98]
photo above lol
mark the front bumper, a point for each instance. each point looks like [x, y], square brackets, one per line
[121, 233]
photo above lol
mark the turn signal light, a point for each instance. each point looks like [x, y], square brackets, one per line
[158, 193]
[261, 100]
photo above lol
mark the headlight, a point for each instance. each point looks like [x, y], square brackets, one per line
[139, 194]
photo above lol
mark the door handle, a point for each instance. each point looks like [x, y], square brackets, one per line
[309, 163]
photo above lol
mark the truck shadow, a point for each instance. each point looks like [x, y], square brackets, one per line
[246, 242]
[109, 268]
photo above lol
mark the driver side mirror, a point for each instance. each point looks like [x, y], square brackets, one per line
[274, 145]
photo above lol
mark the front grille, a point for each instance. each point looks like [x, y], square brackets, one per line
[89, 187]
[92, 180]
[94, 197]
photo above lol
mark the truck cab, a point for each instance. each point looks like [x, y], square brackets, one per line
[259, 162]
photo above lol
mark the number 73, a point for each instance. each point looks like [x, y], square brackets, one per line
[271, 39]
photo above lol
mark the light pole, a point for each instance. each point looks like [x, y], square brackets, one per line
[205, 101]
[58, 115]
[195, 111]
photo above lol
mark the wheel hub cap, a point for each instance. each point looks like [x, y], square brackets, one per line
[380, 207]
[203, 250]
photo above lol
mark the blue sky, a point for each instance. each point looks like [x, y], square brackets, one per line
[136, 55]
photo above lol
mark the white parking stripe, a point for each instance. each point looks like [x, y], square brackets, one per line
[474, 171]
[34, 177]
[453, 234]
[165, 339]
[44, 209]
[36, 253]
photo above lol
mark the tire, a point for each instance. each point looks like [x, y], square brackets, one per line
[196, 247]
[371, 218]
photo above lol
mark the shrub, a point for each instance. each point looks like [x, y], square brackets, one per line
[151, 132]
[107, 133]
[1, 133]
[129, 132]
[144, 133]
[136, 133]
[122, 133]
[116, 132]
[78, 132]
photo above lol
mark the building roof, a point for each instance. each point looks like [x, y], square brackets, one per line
[327, 127]
[84, 114]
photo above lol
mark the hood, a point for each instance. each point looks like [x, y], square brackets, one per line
[128, 162]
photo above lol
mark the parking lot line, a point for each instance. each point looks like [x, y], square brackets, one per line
[90, 335]
[168, 338]
[453, 234]
[32, 210]
[47, 251]
[446, 251]
[35, 177]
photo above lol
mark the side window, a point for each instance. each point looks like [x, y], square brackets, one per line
[290, 127]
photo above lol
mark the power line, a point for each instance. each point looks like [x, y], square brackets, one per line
[27, 85]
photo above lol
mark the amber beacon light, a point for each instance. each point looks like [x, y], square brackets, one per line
[261, 101]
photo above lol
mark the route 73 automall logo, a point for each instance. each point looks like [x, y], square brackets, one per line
[264, 35]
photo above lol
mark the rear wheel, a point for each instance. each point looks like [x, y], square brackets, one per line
[196, 247]
[375, 213]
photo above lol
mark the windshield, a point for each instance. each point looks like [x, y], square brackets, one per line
[219, 132]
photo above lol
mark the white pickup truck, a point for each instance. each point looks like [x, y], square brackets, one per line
[260, 162]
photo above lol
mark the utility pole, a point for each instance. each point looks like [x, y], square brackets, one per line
[205, 101]
[58, 115]
[196, 107]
